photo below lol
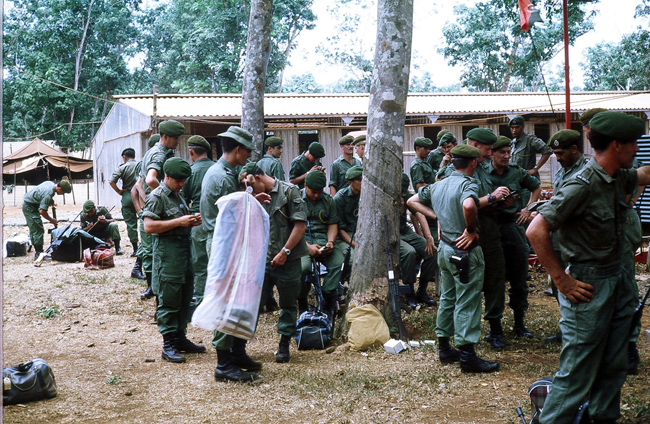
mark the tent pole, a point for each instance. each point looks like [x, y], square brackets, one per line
[74, 201]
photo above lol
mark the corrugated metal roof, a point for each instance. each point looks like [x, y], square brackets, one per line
[205, 106]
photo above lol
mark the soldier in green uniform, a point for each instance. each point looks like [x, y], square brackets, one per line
[323, 224]
[597, 295]
[270, 163]
[36, 204]
[359, 144]
[199, 149]
[454, 201]
[512, 214]
[421, 173]
[287, 246]
[347, 209]
[221, 179]
[341, 165]
[126, 173]
[307, 161]
[525, 148]
[98, 222]
[440, 157]
[167, 218]
[151, 173]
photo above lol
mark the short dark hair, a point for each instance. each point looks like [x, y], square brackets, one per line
[199, 150]
[258, 171]
[461, 163]
[600, 142]
[129, 153]
[228, 144]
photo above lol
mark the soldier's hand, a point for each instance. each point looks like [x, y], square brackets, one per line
[532, 171]
[314, 250]
[186, 221]
[576, 291]
[197, 219]
[54, 222]
[466, 239]
[263, 198]
[523, 216]
[102, 219]
[431, 245]
[501, 192]
[279, 259]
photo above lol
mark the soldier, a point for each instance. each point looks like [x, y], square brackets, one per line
[167, 217]
[307, 161]
[220, 180]
[347, 209]
[341, 165]
[36, 204]
[511, 218]
[286, 248]
[270, 163]
[440, 156]
[98, 222]
[126, 173]
[597, 295]
[359, 144]
[454, 201]
[151, 173]
[199, 150]
[323, 223]
[421, 172]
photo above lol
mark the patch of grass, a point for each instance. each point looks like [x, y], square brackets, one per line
[423, 323]
[86, 279]
[49, 311]
[114, 379]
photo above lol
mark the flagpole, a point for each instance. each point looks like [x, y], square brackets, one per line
[567, 89]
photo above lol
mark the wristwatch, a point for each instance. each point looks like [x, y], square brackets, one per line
[287, 251]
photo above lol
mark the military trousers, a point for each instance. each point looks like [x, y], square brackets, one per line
[343, 247]
[494, 282]
[633, 238]
[110, 231]
[412, 249]
[459, 313]
[595, 335]
[173, 282]
[515, 248]
[130, 217]
[145, 247]
[332, 262]
[199, 260]
[287, 280]
[34, 223]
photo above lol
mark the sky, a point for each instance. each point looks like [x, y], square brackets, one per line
[615, 18]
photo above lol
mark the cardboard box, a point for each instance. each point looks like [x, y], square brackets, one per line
[395, 346]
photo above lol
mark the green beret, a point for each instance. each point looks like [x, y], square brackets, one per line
[448, 137]
[423, 142]
[171, 128]
[355, 172]
[197, 140]
[482, 135]
[88, 206]
[586, 117]
[316, 180]
[249, 168]
[517, 120]
[273, 141]
[66, 186]
[618, 125]
[128, 152]
[465, 151]
[441, 133]
[153, 140]
[405, 182]
[317, 150]
[502, 140]
[359, 140]
[177, 168]
[563, 139]
[241, 136]
[346, 139]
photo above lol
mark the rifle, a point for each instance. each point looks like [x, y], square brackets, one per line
[96, 222]
[315, 276]
[638, 312]
[394, 289]
[49, 231]
[56, 242]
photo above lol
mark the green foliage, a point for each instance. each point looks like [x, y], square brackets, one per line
[302, 84]
[49, 311]
[114, 379]
[486, 40]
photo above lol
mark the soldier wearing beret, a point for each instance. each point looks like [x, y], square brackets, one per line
[359, 144]
[341, 165]
[287, 246]
[597, 295]
[270, 163]
[167, 218]
[440, 157]
[98, 222]
[36, 204]
[511, 216]
[587, 115]
[347, 209]
[321, 237]
[307, 161]
[454, 201]
[126, 173]
[525, 148]
[200, 150]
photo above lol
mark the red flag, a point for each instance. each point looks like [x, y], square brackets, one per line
[528, 14]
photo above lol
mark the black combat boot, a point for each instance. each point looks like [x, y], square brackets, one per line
[135, 250]
[170, 352]
[227, 370]
[520, 329]
[632, 359]
[554, 339]
[446, 353]
[241, 358]
[148, 294]
[329, 306]
[136, 272]
[282, 355]
[422, 295]
[469, 362]
[118, 251]
[409, 297]
[185, 345]
[495, 336]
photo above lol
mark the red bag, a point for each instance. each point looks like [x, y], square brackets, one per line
[99, 258]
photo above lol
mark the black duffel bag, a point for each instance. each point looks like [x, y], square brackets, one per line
[313, 330]
[27, 382]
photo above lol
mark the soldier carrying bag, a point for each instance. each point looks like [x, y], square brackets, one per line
[27, 382]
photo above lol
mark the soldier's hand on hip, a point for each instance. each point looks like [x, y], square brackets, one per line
[576, 291]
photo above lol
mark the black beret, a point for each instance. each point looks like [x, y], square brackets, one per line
[129, 152]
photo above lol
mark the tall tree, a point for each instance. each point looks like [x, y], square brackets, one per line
[496, 55]
[381, 187]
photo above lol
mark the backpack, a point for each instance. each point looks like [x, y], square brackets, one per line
[99, 258]
[314, 330]
[538, 391]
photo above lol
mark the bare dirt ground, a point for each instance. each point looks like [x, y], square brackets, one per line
[104, 348]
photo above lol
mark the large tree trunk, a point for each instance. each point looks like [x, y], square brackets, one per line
[258, 50]
[381, 187]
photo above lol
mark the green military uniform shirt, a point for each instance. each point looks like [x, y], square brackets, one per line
[127, 173]
[435, 159]
[87, 219]
[163, 205]
[285, 208]
[563, 174]
[337, 172]
[421, 172]
[320, 214]
[525, 149]
[347, 209]
[192, 188]
[154, 159]
[272, 167]
[514, 177]
[41, 196]
[300, 166]
[219, 180]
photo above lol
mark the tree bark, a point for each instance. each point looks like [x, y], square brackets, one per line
[80, 58]
[381, 187]
[258, 50]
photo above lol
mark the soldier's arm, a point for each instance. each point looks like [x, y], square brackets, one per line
[155, 226]
[114, 186]
[541, 163]
[470, 212]
[138, 195]
[152, 179]
[524, 215]
[294, 238]
[416, 204]
[45, 215]
[644, 175]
